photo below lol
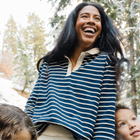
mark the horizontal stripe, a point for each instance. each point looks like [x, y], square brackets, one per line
[83, 102]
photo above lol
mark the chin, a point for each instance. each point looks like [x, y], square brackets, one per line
[89, 41]
[88, 44]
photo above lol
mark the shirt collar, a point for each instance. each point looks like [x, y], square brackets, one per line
[93, 51]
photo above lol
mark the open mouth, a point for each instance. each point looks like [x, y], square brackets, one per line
[136, 133]
[89, 30]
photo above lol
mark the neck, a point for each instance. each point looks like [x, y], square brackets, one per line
[78, 50]
[84, 46]
[75, 56]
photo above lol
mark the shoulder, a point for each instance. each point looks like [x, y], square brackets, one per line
[53, 64]
[43, 65]
[106, 57]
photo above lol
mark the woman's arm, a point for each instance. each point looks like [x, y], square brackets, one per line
[105, 122]
[30, 105]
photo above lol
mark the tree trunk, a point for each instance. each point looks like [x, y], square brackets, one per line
[25, 85]
[132, 60]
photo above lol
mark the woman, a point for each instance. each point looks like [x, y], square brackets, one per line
[75, 94]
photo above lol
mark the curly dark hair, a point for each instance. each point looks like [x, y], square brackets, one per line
[12, 121]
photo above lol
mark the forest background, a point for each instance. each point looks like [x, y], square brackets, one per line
[23, 46]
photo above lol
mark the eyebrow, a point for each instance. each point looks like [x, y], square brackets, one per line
[88, 14]
[118, 122]
[122, 120]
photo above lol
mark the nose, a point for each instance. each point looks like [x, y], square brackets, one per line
[91, 20]
[131, 126]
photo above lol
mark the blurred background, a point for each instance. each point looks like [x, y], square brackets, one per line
[29, 29]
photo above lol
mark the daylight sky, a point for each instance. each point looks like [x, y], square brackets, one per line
[19, 9]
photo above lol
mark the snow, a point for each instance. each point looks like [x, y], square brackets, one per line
[9, 95]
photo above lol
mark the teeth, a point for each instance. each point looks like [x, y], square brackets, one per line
[89, 30]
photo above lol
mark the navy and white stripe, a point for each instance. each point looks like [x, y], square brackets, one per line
[83, 102]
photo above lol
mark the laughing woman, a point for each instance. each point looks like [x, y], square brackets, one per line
[75, 93]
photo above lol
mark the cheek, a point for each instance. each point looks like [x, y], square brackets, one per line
[77, 29]
[123, 133]
[79, 24]
[100, 27]
[138, 124]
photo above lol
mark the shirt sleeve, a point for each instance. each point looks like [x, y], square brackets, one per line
[105, 122]
[30, 105]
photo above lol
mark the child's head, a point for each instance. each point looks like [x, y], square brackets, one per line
[15, 124]
[127, 127]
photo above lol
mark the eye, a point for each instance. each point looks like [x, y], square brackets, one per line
[97, 18]
[84, 16]
[134, 118]
[122, 124]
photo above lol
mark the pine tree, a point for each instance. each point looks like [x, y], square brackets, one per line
[36, 36]
[10, 36]
[9, 47]
[25, 67]
[134, 46]
[30, 48]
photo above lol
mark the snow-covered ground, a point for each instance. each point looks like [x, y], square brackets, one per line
[9, 95]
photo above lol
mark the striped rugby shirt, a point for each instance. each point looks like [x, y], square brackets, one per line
[83, 102]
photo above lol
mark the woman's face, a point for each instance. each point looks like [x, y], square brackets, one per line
[88, 26]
